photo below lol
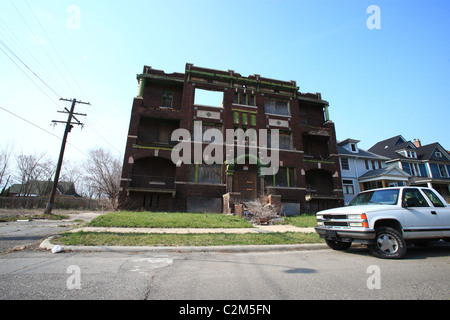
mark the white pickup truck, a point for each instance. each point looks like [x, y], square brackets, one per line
[386, 220]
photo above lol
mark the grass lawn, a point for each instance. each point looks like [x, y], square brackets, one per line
[305, 220]
[128, 219]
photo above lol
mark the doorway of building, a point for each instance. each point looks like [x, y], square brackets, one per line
[157, 202]
[245, 181]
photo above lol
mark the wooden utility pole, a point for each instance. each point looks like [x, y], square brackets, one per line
[69, 126]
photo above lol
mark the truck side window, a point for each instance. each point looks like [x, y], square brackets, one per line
[414, 195]
[433, 198]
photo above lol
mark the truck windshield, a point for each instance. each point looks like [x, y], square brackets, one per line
[389, 197]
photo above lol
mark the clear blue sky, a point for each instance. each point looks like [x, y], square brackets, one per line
[379, 83]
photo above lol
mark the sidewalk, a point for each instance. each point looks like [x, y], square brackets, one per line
[256, 229]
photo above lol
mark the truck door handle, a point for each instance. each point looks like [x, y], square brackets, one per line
[433, 212]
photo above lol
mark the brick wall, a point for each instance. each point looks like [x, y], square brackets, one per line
[306, 119]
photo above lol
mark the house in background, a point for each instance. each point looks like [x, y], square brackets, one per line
[428, 165]
[308, 178]
[363, 170]
[42, 189]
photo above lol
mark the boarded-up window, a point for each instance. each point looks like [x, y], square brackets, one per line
[285, 177]
[157, 131]
[204, 173]
[276, 107]
[284, 140]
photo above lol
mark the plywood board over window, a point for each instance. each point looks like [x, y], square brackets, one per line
[203, 173]
[279, 107]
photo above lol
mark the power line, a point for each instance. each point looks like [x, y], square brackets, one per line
[26, 66]
[14, 39]
[28, 77]
[42, 47]
[23, 65]
[105, 140]
[46, 131]
[54, 48]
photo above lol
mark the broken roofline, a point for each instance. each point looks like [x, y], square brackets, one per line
[233, 78]
[269, 165]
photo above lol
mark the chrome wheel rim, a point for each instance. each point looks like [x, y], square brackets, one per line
[387, 243]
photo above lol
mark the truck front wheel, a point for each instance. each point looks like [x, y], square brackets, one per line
[389, 244]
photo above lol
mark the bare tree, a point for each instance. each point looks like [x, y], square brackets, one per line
[32, 168]
[5, 154]
[104, 171]
[72, 172]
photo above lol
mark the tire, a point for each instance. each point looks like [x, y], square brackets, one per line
[338, 245]
[389, 244]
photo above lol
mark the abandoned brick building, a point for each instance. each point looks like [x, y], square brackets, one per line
[308, 178]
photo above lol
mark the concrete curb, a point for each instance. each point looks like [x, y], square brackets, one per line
[46, 244]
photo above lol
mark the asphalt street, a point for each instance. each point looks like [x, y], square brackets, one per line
[274, 275]
[30, 273]
[19, 235]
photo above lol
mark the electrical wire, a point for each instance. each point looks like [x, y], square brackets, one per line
[93, 131]
[40, 128]
[54, 48]
[21, 50]
[26, 66]
[45, 93]
[42, 47]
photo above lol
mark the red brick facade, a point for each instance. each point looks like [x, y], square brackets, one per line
[309, 174]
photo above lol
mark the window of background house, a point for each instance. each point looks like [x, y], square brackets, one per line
[415, 171]
[276, 107]
[344, 164]
[347, 185]
[411, 154]
[443, 171]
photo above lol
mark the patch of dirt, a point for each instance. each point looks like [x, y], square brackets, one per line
[31, 212]
[29, 247]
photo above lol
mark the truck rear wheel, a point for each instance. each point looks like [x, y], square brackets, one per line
[389, 244]
[338, 245]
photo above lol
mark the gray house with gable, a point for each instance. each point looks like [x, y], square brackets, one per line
[363, 170]
[428, 165]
